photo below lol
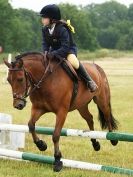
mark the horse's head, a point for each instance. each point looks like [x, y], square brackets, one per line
[18, 82]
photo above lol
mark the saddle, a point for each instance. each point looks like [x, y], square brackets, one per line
[66, 65]
[68, 68]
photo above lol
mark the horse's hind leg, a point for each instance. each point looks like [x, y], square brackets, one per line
[35, 115]
[84, 112]
[105, 114]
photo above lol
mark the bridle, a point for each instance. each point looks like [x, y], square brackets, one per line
[31, 85]
[15, 95]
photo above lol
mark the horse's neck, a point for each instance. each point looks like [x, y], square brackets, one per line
[35, 67]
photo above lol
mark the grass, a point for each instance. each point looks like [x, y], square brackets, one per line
[120, 76]
[103, 53]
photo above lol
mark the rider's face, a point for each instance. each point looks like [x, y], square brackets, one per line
[45, 21]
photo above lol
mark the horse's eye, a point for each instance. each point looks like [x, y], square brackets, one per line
[20, 80]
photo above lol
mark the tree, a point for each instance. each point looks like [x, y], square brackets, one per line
[130, 12]
[103, 15]
[111, 20]
[6, 16]
[107, 25]
[108, 38]
[28, 30]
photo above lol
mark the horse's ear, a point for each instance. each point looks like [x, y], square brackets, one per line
[20, 63]
[7, 63]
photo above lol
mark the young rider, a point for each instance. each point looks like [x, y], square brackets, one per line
[58, 41]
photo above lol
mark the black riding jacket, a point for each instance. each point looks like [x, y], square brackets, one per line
[60, 43]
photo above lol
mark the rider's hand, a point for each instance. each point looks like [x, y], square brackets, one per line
[45, 53]
[50, 55]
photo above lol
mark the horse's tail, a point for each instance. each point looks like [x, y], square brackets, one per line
[103, 121]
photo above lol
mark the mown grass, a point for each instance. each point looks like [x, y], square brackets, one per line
[103, 53]
[120, 76]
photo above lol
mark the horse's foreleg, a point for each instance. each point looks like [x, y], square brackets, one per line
[60, 119]
[35, 115]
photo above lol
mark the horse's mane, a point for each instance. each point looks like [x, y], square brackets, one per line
[20, 56]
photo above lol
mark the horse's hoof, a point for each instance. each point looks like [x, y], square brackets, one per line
[42, 146]
[58, 165]
[96, 146]
[114, 142]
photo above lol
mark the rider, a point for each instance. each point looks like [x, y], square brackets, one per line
[58, 41]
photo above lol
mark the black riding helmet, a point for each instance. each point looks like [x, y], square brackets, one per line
[51, 11]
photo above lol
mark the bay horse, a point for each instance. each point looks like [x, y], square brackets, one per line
[50, 90]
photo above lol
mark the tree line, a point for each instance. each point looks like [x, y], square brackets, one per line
[107, 25]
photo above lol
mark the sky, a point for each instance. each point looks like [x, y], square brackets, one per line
[36, 5]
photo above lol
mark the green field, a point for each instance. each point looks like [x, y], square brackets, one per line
[120, 76]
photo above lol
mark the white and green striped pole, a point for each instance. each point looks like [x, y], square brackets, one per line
[66, 163]
[71, 132]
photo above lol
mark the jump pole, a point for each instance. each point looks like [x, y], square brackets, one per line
[66, 163]
[70, 132]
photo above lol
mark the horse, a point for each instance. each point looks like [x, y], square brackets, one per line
[50, 88]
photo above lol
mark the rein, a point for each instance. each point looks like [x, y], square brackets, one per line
[29, 90]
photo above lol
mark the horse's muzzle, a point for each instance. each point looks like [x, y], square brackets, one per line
[20, 104]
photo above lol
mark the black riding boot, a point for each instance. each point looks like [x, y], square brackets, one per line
[81, 71]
